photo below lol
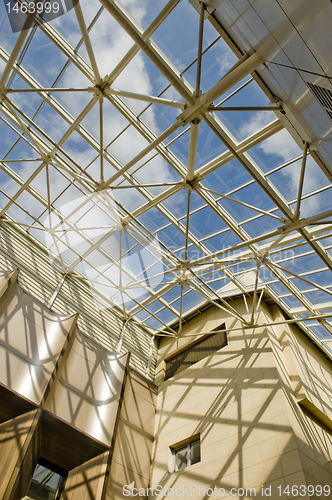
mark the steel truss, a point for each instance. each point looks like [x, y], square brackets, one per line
[171, 275]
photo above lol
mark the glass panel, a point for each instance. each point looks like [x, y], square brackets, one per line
[181, 458]
[129, 126]
[43, 60]
[45, 484]
[195, 452]
[144, 12]
[177, 35]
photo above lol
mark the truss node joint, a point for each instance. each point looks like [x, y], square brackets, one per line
[192, 183]
[276, 104]
[46, 159]
[184, 265]
[99, 89]
[100, 186]
[98, 92]
[262, 256]
[196, 121]
[3, 93]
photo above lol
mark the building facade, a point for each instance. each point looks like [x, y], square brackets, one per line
[233, 411]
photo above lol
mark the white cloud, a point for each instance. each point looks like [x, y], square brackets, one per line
[136, 9]
[83, 212]
[110, 43]
[255, 123]
[226, 60]
[283, 145]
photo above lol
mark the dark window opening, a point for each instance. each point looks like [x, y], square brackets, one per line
[194, 353]
[47, 482]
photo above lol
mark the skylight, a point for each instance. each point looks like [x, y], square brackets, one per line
[124, 153]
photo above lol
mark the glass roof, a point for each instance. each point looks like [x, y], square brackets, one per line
[129, 149]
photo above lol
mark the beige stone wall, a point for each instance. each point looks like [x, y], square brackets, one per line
[242, 402]
[19, 451]
[307, 376]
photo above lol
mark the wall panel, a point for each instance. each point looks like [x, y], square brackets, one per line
[38, 278]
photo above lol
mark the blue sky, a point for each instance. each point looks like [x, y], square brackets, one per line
[177, 39]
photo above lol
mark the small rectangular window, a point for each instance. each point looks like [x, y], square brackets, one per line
[187, 455]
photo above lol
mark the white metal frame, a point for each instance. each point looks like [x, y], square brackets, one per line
[185, 275]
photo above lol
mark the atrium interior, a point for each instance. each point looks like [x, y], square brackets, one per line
[165, 161]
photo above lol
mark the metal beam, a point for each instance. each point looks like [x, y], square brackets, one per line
[145, 36]
[226, 307]
[246, 205]
[56, 292]
[17, 47]
[245, 108]
[21, 189]
[287, 228]
[254, 300]
[298, 276]
[150, 49]
[193, 141]
[101, 138]
[60, 143]
[199, 50]
[139, 156]
[87, 42]
[145, 98]
[301, 181]
[258, 137]
[262, 325]
[228, 81]
[23, 126]
[294, 290]
[50, 89]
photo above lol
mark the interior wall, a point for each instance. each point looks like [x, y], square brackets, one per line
[242, 403]
[131, 459]
[307, 376]
[19, 452]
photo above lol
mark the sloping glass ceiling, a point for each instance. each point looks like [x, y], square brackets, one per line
[146, 157]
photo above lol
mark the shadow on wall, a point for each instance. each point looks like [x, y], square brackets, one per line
[252, 430]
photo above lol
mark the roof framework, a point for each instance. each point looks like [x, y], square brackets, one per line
[160, 180]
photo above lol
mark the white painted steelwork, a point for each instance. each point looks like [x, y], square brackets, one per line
[160, 195]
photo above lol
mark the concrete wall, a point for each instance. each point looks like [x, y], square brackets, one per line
[306, 375]
[131, 460]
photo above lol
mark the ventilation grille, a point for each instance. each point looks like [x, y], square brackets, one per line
[200, 350]
[324, 97]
